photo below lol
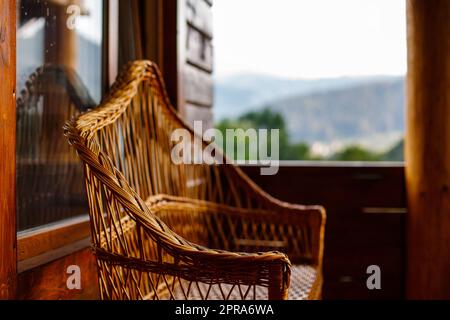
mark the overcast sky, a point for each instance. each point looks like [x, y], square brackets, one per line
[309, 38]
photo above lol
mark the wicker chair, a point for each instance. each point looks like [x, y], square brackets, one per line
[167, 231]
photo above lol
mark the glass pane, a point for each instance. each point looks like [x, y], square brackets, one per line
[59, 74]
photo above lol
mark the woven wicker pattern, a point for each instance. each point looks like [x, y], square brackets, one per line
[303, 279]
[164, 231]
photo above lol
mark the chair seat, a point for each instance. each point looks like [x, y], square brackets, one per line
[305, 281]
[304, 284]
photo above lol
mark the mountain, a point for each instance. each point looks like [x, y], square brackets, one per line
[334, 112]
[396, 153]
[362, 111]
[234, 95]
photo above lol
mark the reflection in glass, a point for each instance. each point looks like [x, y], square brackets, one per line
[59, 51]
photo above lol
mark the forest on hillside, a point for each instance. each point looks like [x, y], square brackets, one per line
[290, 150]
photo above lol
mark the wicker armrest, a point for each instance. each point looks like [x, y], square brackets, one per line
[293, 229]
[191, 264]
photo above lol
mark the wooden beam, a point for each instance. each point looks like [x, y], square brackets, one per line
[199, 16]
[199, 50]
[198, 86]
[428, 150]
[8, 263]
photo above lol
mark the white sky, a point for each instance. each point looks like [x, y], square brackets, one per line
[310, 38]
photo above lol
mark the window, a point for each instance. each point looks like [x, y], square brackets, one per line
[59, 73]
[329, 74]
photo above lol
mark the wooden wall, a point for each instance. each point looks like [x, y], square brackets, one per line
[365, 223]
[196, 61]
[7, 149]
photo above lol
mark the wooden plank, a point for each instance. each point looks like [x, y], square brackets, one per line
[193, 113]
[32, 243]
[199, 50]
[8, 263]
[198, 86]
[427, 149]
[199, 16]
[52, 255]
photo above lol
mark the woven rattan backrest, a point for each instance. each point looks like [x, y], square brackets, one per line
[134, 126]
[130, 133]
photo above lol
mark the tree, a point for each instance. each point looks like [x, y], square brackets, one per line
[356, 153]
[267, 119]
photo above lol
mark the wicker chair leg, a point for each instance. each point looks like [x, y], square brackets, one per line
[277, 288]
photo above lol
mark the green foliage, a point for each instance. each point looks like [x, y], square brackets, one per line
[268, 119]
[356, 153]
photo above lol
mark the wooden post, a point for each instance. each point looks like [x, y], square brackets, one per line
[428, 150]
[8, 259]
